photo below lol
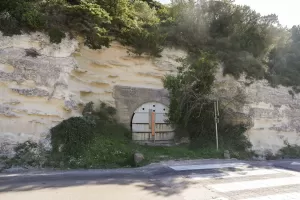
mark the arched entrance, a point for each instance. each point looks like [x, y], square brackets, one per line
[149, 123]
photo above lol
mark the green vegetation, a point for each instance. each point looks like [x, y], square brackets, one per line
[94, 138]
[212, 32]
[115, 152]
[289, 151]
[108, 152]
[191, 107]
[97, 140]
[28, 154]
[237, 35]
[97, 21]
[284, 61]
[241, 39]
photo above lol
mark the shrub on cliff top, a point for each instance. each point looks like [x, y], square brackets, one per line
[243, 40]
[98, 22]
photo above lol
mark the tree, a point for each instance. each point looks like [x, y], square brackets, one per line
[236, 34]
[18, 14]
[190, 91]
[284, 60]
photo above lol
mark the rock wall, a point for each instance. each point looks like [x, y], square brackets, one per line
[42, 84]
[272, 112]
[128, 99]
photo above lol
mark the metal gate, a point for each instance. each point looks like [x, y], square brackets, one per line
[149, 123]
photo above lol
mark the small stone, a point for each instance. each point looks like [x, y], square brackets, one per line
[226, 154]
[60, 148]
[15, 169]
[138, 158]
[184, 140]
[70, 105]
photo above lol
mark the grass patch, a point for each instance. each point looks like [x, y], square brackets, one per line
[180, 152]
[115, 152]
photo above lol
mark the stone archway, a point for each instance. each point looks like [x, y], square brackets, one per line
[129, 99]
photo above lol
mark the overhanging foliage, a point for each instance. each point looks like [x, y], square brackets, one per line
[242, 39]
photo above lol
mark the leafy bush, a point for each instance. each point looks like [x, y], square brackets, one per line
[189, 103]
[232, 137]
[143, 41]
[56, 35]
[289, 151]
[269, 155]
[107, 152]
[28, 154]
[94, 140]
[283, 63]
[192, 109]
[98, 22]
[97, 140]
[73, 135]
[8, 24]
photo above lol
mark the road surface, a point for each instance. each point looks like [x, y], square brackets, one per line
[189, 180]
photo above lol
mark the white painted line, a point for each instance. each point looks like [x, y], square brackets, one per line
[295, 163]
[294, 173]
[282, 196]
[249, 185]
[207, 166]
[256, 172]
[38, 174]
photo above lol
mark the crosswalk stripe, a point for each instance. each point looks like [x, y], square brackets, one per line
[256, 172]
[257, 184]
[207, 166]
[295, 173]
[282, 196]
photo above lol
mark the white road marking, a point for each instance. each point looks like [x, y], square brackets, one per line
[294, 173]
[207, 166]
[282, 196]
[248, 185]
[295, 163]
[255, 172]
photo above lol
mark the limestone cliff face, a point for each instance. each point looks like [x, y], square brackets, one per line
[42, 84]
[98, 71]
[272, 113]
[40, 88]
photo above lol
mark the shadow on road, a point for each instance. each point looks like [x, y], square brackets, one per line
[159, 186]
[159, 183]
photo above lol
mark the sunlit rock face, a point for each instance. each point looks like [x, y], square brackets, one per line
[271, 113]
[99, 71]
[42, 84]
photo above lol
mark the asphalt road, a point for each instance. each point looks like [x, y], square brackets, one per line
[170, 180]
